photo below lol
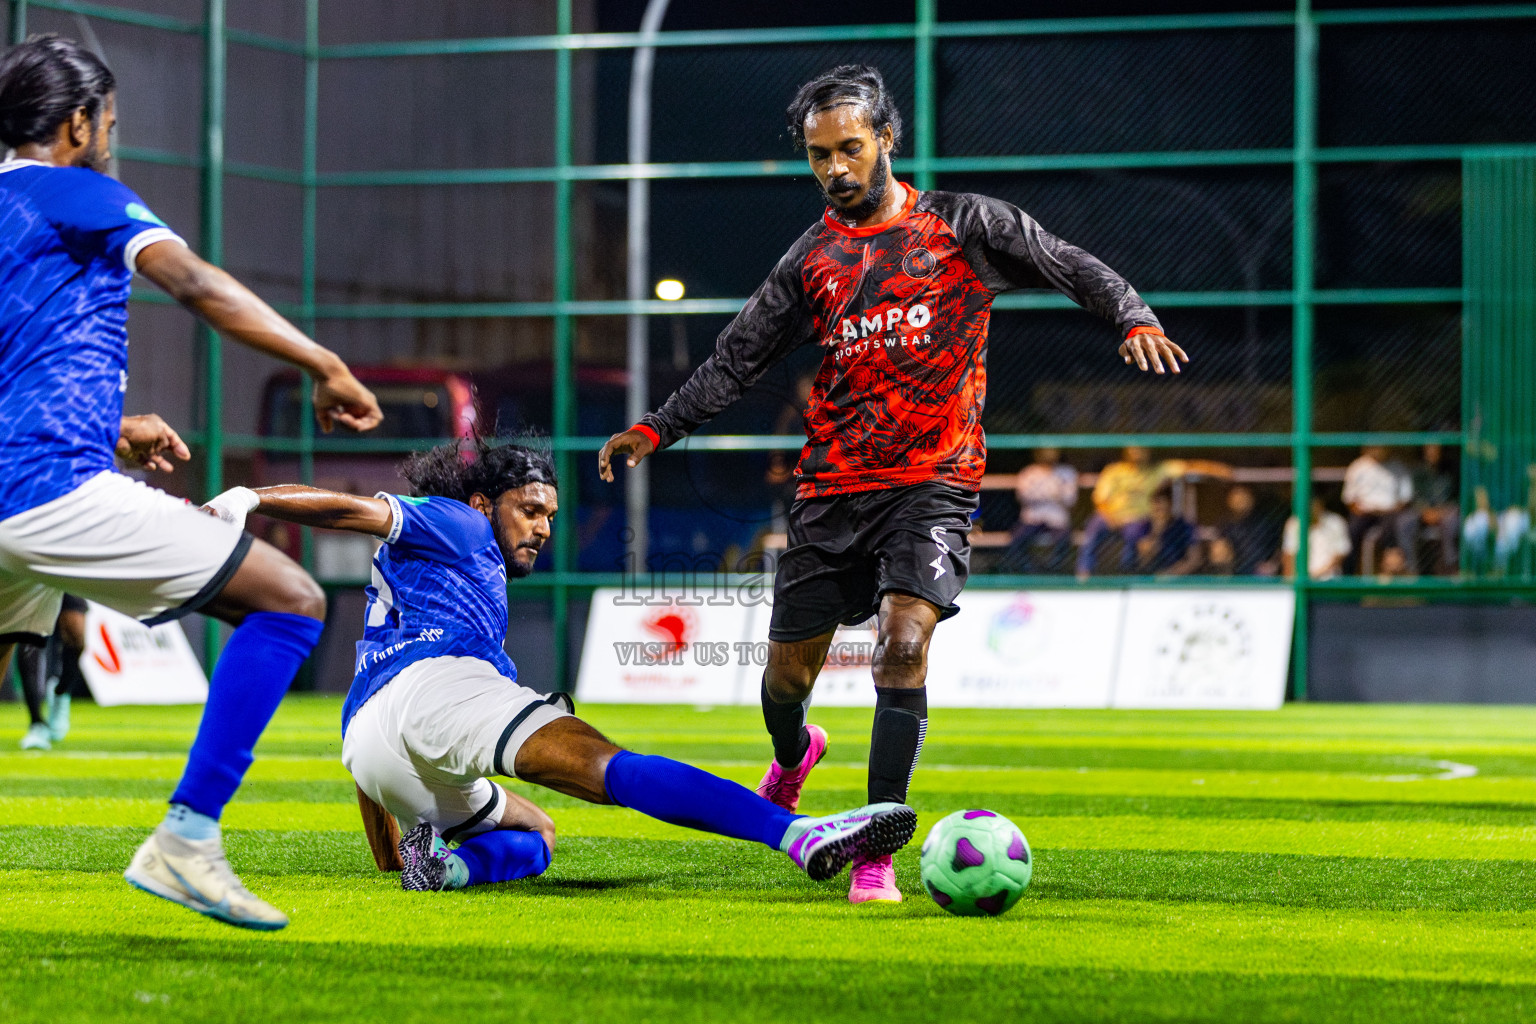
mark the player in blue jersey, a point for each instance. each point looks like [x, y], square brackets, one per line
[71, 239]
[435, 707]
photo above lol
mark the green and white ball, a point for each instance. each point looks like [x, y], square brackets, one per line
[976, 863]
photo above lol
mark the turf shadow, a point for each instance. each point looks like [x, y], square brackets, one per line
[215, 977]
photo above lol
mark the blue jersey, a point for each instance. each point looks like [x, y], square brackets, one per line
[69, 238]
[439, 591]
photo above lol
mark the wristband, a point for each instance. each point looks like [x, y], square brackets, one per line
[1145, 330]
[651, 435]
[234, 504]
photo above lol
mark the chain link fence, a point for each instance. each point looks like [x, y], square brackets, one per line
[443, 186]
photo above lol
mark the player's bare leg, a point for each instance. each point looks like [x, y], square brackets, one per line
[571, 757]
[901, 722]
[797, 746]
[278, 611]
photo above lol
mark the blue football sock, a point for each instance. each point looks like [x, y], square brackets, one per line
[681, 794]
[503, 855]
[248, 683]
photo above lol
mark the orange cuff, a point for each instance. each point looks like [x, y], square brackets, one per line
[654, 437]
[1144, 330]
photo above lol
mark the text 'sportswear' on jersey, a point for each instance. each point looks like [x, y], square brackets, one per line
[69, 242]
[901, 312]
[439, 590]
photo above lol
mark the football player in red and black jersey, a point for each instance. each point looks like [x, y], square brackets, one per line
[896, 286]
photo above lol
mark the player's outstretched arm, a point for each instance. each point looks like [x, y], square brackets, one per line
[307, 506]
[234, 310]
[1152, 348]
[382, 832]
[775, 321]
[147, 440]
[1018, 253]
[633, 443]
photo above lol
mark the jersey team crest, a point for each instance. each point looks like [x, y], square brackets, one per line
[918, 263]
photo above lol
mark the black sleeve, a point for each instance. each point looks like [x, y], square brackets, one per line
[1008, 250]
[775, 321]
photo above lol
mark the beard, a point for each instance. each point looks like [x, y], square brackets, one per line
[515, 570]
[879, 185]
[93, 158]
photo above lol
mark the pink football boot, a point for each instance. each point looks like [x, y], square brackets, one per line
[781, 785]
[873, 881]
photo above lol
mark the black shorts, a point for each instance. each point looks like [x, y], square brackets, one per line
[848, 551]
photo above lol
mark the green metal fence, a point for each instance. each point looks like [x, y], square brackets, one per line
[1296, 150]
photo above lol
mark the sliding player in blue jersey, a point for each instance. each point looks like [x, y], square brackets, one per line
[71, 240]
[435, 707]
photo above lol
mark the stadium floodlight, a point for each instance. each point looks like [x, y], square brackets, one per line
[670, 289]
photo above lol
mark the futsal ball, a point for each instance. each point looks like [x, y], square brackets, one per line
[976, 863]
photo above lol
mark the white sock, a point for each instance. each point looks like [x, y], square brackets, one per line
[187, 823]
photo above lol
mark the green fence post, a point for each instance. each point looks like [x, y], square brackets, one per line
[307, 258]
[564, 398]
[1304, 201]
[926, 145]
[212, 244]
[18, 21]
[1498, 223]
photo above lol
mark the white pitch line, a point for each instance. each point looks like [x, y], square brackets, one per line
[1448, 770]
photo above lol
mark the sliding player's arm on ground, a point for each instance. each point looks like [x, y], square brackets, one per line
[307, 506]
[383, 833]
[775, 321]
[1010, 250]
[524, 815]
[236, 312]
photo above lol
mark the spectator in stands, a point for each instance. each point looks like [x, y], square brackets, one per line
[1169, 547]
[1246, 541]
[1392, 565]
[1378, 492]
[1435, 504]
[1478, 532]
[1047, 492]
[1122, 501]
[1327, 543]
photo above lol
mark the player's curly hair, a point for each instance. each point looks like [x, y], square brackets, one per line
[458, 470]
[854, 84]
[45, 80]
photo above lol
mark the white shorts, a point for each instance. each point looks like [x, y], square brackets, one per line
[120, 543]
[423, 745]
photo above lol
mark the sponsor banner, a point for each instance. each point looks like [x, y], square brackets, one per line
[1006, 649]
[1217, 649]
[1027, 649]
[126, 662]
[664, 653]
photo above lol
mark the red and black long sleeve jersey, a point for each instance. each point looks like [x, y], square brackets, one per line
[900, 310]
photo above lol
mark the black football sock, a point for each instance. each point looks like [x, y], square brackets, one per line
[32, 667]
[901, 723]
[71, 679]
[786, 727]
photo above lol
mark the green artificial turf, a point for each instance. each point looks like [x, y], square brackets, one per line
[1322, 863]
